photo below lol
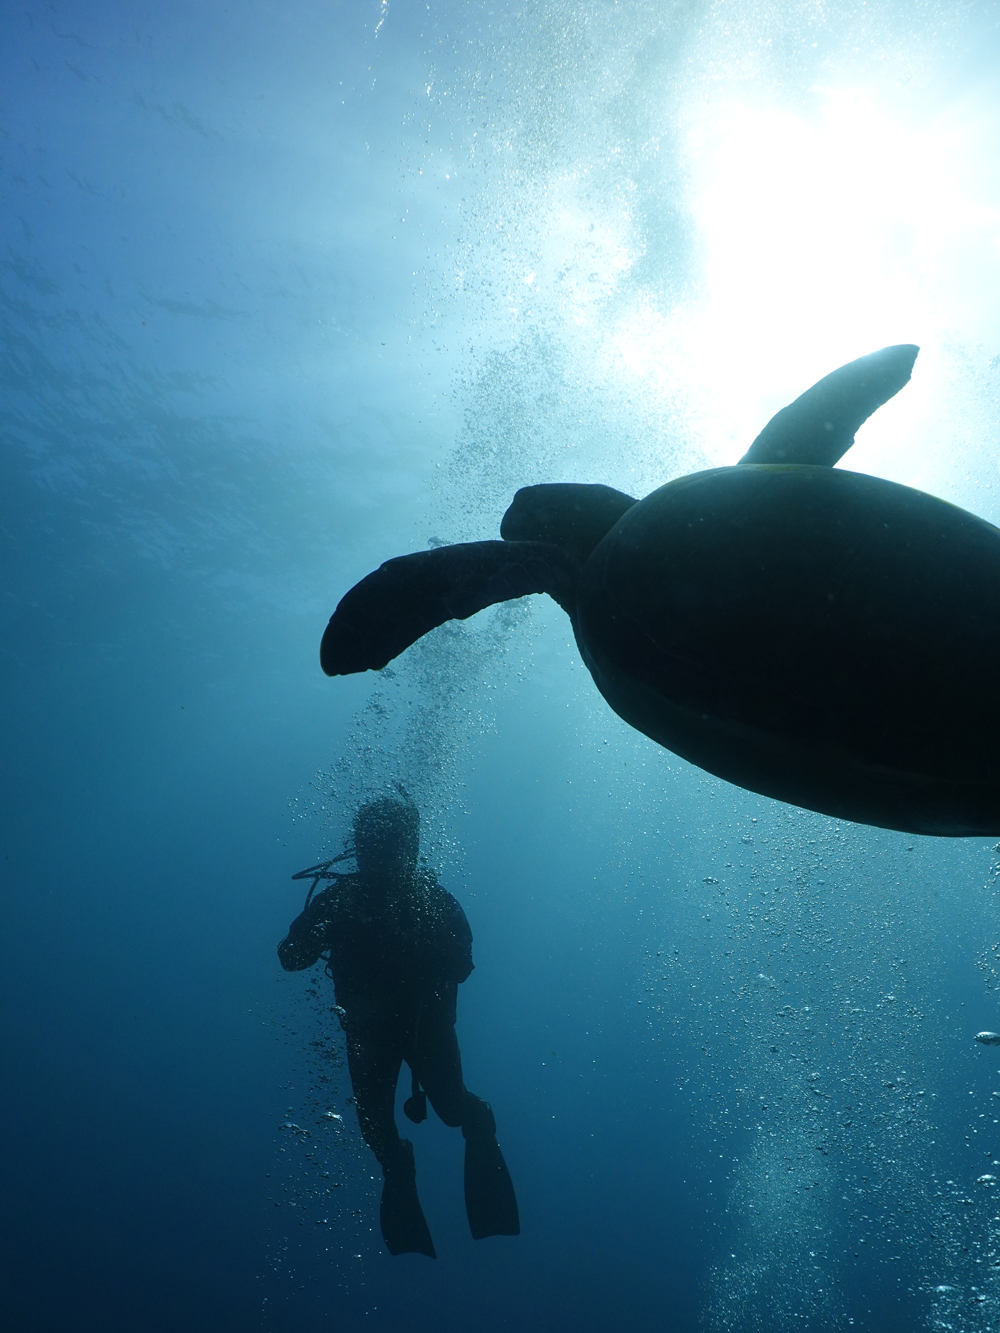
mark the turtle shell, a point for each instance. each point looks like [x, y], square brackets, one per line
[817, 635]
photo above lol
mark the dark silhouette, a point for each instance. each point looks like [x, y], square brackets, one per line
[809, 633]
[397, 946]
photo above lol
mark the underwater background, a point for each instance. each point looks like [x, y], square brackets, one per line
[291, 289]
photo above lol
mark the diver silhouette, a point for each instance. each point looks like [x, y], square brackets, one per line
[397, 946]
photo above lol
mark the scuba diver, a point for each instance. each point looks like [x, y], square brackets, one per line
[397, 946]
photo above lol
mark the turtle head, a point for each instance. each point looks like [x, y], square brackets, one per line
[571, 516]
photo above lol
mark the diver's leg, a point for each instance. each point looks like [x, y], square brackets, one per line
[374, 1056]
[373, 1061]
[436, 1060]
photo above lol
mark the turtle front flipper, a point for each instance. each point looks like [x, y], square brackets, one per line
[407, 597]
[819, 426]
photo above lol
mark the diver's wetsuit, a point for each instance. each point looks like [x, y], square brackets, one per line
[396, 964]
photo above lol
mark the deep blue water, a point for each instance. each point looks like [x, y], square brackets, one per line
[290, 289]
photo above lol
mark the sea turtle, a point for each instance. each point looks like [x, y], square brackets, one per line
[815, 635]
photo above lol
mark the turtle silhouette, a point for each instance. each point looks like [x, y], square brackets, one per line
[816, 635]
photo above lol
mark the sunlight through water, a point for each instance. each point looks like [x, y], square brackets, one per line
[821, 236]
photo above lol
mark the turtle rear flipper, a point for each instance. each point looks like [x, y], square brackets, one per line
[819, 426]
[407, 597]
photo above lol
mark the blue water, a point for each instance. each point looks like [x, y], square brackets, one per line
[290, 289]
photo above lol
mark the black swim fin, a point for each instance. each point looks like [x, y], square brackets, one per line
[404, 1227]
[490, 1202]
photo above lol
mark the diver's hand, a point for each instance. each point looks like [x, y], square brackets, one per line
[296, 952]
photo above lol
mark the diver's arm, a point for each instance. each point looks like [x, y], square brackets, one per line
[306, 938]
[454, 940]
[296, 952]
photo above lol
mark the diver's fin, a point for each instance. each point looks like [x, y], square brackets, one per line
[404, 1227]
[819, 426]
[406, 597]
[490, 1202]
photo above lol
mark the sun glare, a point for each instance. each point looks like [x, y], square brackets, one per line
[819, 238]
